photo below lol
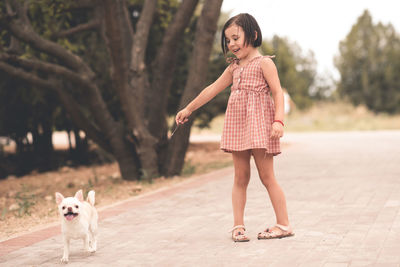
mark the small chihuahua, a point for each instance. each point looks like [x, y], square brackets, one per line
[78, 221]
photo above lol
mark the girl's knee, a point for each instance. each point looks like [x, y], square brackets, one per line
[268, 180]
[242, 179]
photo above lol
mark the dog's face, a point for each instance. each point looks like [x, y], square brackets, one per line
[69, 207]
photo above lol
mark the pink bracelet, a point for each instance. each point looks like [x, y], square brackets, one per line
[281, 122]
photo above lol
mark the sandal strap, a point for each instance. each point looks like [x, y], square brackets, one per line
[236, 227]
[267, 234]
[271, 234]
[283, 227]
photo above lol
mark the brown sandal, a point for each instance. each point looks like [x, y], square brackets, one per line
[240, 236]
[268, 234]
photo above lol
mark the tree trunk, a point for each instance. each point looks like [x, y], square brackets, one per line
[163, 69]
[129, 73]
[81, 151]
[43, 145]
[205, 32]
[134, 144]
[81, 144]
[70, 148]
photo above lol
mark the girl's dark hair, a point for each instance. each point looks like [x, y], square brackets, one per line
[249, 26]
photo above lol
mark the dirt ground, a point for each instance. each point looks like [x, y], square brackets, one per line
[27, 203]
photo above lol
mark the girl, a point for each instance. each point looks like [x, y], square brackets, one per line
[253, 122]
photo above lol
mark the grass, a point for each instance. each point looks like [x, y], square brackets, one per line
[325, 116]
[340, 116]
[27, 202]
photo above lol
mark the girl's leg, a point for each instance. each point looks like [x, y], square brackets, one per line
[265, 167]
[241, 162]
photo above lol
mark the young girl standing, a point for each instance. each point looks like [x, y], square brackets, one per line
[253, 121]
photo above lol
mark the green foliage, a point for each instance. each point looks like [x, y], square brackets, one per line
[89, 186]
[50, 16]
[296, 71]
[182, 68]
[216, 66]
[369, 64]
[162, 18]
[188, 168]
[25, 201]
[3, 214]
[217, 105]
[22, 106]
[4, 39]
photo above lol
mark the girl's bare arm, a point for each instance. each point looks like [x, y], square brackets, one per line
[206, 95]
[271, 76]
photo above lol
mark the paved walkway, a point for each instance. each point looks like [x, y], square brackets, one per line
[343, 193]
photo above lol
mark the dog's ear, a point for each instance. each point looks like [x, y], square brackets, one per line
[59, 198]
[79, 195]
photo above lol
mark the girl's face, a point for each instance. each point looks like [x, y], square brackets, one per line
[235, 36]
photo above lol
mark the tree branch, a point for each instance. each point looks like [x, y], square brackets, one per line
[96, 104]
[175, 29]
[15, 47]
[164, 67]
[142, 33]
[82, 122]
[66, 99]
[82, 4]
[47, 67]
[205, 32]
[93, 24]
[119, 39]
[111, 129]
[121, 49]
[22, 29]
[29, 77]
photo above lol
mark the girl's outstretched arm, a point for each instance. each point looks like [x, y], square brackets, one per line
[271, 76]
[206, 95]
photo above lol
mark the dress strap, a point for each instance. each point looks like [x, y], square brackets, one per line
[232, 60]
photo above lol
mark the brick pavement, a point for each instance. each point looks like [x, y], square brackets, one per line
[343, 194]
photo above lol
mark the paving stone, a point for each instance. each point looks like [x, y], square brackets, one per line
[343, 198]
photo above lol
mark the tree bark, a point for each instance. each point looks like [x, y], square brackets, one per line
[136, 145]
[129, 73]
[112, 131]
[163, 69]
[94, 24]
[114, 141]
[42, 140]
[205, 32]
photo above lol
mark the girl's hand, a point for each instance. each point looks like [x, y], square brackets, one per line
[277, 130]
[182, 116]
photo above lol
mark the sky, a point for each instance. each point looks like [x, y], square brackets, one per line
[317, 25]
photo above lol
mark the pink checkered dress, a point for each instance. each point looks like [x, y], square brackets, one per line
[250, 111]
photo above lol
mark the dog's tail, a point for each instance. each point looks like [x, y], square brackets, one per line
[90, 197]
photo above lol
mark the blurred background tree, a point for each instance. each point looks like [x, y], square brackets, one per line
[296, 70]
[119, 71]
[110, 79]
[369, 66]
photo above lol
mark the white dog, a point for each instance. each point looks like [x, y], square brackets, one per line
[78, 221]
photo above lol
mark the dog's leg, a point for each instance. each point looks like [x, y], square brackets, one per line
[86, 243]
[93, 242]
[93, 234]
[65, 257]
